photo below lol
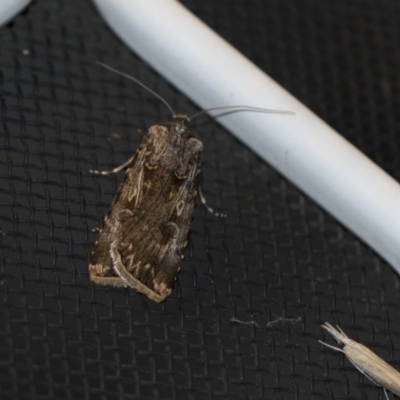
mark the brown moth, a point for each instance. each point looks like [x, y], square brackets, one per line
[145, 231]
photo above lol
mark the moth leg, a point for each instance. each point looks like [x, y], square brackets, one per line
[108, 281]
[368, 376]
[332, 347]
[114, 170]
[386, 395]
[209, 209]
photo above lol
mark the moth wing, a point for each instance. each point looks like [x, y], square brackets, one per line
[152, 256]
[100, 266]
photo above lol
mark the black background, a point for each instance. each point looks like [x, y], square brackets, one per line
[244, 318]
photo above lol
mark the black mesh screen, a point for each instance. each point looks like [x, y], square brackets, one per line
[244, 318]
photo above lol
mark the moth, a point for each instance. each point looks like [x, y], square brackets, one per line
[366, 361]
[145, 232]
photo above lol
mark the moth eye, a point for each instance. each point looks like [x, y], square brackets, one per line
[124, 215]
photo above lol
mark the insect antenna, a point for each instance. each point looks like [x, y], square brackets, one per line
[249, 108]
[139, 83]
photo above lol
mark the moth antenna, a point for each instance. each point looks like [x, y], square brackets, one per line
[139, 83]
[250, 108]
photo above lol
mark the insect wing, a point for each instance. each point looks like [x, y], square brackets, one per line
[145, 231]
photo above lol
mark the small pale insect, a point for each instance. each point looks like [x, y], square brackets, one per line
[366, 361]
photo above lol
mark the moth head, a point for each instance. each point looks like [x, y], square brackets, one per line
[181, 117]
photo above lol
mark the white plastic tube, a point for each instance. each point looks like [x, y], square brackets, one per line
[10, 8]
[302, 147]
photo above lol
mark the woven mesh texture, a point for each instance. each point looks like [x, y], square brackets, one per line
[244, 318]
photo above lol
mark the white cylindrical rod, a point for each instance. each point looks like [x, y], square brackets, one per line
[302, 147]
[10, 8]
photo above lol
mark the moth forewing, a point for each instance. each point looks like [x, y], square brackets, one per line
[145, 231]
[365, 360]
